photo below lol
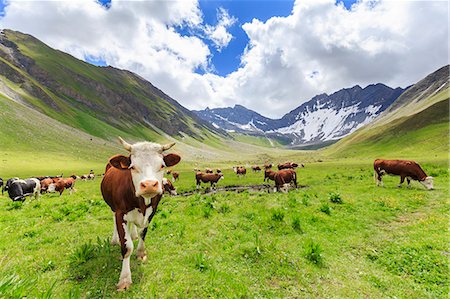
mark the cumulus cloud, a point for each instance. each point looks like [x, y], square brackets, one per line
[219, 34]
[320, 47]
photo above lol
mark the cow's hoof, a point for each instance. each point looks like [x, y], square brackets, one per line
[142, 257]
[123, 285]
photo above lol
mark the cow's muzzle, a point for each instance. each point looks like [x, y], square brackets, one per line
[149, 187]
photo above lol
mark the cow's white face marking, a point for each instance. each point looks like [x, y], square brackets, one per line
[147, 164]
[51, 187]
[428, 182]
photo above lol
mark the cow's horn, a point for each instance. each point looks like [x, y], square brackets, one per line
[125, 144]
[167, 146]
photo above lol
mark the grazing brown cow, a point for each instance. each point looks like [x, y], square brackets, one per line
[69, 183]
[284, 177]
[256, 168]
[175, 176]
[405, 169]
[45, 184]
[269, 175]
[212, 178]
[168, 187]
[132, 187]
[287, 165]
[240, 170]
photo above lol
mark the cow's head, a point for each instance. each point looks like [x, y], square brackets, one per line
[146, 163]
[428, 182]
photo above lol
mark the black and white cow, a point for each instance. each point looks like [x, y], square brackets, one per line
[8, 183]
[19, 189]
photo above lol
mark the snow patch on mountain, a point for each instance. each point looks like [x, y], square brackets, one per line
[321, 124]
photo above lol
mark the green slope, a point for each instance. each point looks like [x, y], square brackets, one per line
[417, 126]
[87, 97]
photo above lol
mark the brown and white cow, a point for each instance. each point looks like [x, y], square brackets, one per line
[175, 176]
[208, 170]
[284, 177]
[45, 184]
[212, 178]
[58, 185]
[240, 171]
[168, 187]
[269, 174]
[132, 186]
[256, 168]
[405, 169]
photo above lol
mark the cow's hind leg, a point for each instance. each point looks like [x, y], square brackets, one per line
[133, 231]
[115, 236]
[408, 180]
[402, 179]
[127, 248]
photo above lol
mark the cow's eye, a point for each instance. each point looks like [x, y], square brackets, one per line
[162, 167]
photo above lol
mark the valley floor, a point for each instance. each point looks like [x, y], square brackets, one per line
[340, 237]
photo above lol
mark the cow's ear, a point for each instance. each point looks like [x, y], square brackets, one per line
[120, 161]
[171, 159]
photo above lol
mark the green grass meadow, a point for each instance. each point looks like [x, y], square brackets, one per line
[341, 236]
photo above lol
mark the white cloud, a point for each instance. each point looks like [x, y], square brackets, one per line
[219, 34]
[320, 47]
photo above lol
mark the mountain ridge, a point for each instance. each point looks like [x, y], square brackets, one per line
[332, 116]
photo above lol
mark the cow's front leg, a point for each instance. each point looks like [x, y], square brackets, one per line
[127, 248]
[141, 254]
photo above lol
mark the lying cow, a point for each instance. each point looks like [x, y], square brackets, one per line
[212, 178]
[19, 189]
[283, 177]
[287, 165]
[405, 169]
[132, 186]
[168, 187]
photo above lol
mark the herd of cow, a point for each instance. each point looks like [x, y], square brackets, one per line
[133, 185]
[19, 189]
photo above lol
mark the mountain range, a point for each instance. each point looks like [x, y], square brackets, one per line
[322, 118]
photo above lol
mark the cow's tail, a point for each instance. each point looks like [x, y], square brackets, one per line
[294, 177]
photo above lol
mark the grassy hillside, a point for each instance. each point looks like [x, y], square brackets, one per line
[86, 96]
